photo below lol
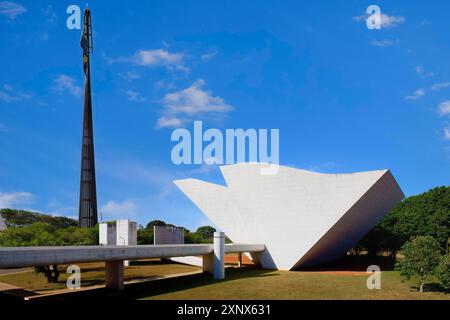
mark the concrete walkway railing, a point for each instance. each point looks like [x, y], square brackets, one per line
[213, 256]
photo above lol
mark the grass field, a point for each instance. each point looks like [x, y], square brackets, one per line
[94, 274]
[260, 284]
[240, 284]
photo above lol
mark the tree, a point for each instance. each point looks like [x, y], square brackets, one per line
[36, 234]
[421, 256]
[426, 214]
[206, 232]
[193, 237]
[44, 234]
[20, 218]
[443, 271]
[145, 236]
[75, 236]
[153, 223]
[50, 272]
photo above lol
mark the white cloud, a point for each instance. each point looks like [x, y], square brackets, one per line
[130, 75]
[169, 122]
[447, 133]
[391, 21]
[444, 108]
[208, 56]
[11, 9]
[14, 199]
[65, 211]
[8, 94]
[119, 210]
[194, 100]
[161, 84]
[134, 96]
[207, 167]
[385, 20]
[50, 13]
[44, 36]
[154, 58]
[66, 83]
[190, 102]
[424, 23]
[441, 85]
[419, 69]
[417, 94]
[383, 43]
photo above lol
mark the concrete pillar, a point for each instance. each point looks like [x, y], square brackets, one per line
[107, 234]
[208, 263]
[126, 234]
[114, 274]
[219, 255]
[240, 259]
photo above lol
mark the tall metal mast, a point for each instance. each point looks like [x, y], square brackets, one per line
[88, 194]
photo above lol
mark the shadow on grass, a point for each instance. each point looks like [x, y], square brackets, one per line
[15, 295]
[355, 263]
[433, 287]
[162, 286]
[151, 262]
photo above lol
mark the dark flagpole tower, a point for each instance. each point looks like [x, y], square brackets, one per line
[87, 216]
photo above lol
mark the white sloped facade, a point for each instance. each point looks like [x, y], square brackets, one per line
[303, 217]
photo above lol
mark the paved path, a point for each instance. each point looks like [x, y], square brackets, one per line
[4, 272]
[7, 286]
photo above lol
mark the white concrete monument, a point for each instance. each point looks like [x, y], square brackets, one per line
[120, 233]
[107, 234]
[168, 235]
[304, 218]
[126, 233]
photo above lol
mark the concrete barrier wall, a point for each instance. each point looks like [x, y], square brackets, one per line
[168, 235]
[16, 257]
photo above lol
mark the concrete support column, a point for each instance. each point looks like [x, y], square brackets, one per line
[114, 274]
[208, 263]
[240, 259]
[219, 255]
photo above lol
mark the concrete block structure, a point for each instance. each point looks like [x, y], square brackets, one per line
[126, 233]
[304, 218]
[107, 234]
[213, 262]
[168, 235]
[120, 233]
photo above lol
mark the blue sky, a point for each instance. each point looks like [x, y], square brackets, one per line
[345, 98]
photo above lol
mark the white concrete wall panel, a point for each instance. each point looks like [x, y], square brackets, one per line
[168, 235]
[107, 234]
[303, 217]
[17, 257]
[126, 232]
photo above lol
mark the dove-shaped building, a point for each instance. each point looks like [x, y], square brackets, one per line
[304, 218]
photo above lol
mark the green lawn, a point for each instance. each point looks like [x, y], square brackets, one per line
[260, 284]
[94, 274]
[246, 283]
